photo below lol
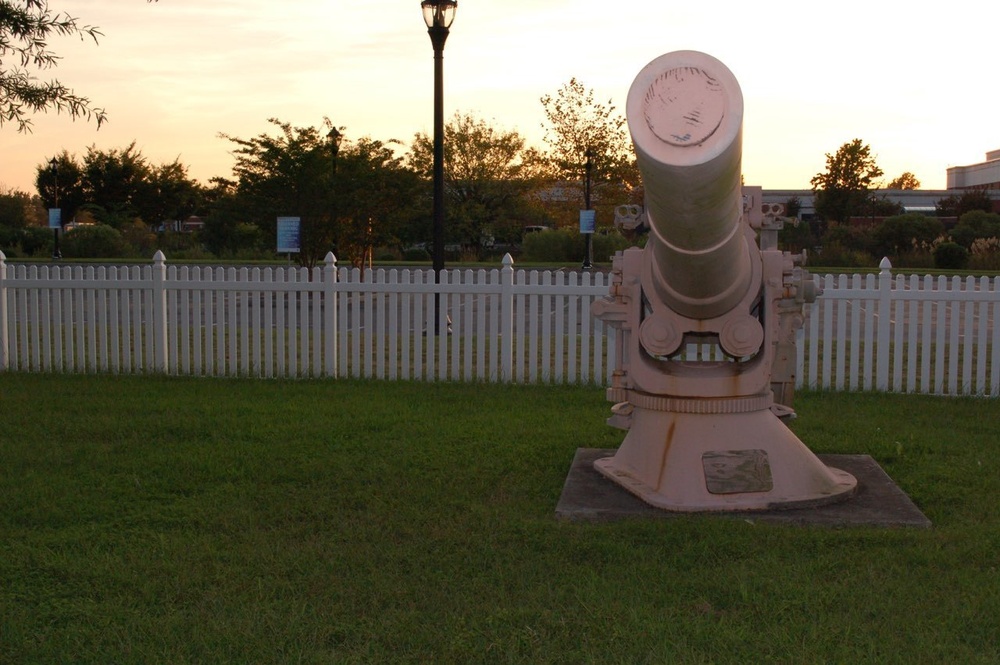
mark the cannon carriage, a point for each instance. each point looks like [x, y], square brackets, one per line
[705, 433]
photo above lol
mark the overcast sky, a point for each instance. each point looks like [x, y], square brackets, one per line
[915, 81]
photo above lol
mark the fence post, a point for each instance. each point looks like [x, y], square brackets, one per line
[4, 340]
[507, 319]
[884, 323]
[330, 314]
[159, 305]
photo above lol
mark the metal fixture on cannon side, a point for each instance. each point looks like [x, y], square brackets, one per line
[706, 316]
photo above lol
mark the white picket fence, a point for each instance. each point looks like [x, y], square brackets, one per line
[883, 332]
[493, 325]
[916, 334]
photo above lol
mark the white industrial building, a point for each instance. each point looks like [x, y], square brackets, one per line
[984, 174]
[912, 200]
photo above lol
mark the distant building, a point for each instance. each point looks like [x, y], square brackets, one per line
[189, 225]
[192, 224]
[912, 200]
[982, 175]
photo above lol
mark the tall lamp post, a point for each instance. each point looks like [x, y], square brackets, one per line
[588, 248]
[54, 166]
[438, 15]
[335, 138]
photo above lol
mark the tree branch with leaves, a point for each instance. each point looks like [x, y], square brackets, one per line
[577, 125]
[25, 29]
[843, 190]
[489, 173]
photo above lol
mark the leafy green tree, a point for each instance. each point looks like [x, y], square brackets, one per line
[116, 181]
[563, 245]
[348, 199]
[577, 128]
[63, 183]
[851, 238]
[976, 224]
[950, 256]
[795, 235]
[225, 232]
[375, 198]
[972, 199]
[882, 206]
[288, 175]
[21, 216]
[905, 233]
[118, 187]
[906, 180]
[16, 209]
[27, 241]
[793, 206]
[168, 194]
[97, 241]
[25, 30]
[843, 190]
[489, 174]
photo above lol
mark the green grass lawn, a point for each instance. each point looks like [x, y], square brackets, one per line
[159, 520]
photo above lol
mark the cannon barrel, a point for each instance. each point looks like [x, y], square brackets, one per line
[704, 432]
[685, 115]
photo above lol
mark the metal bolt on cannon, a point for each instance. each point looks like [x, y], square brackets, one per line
[706, 314]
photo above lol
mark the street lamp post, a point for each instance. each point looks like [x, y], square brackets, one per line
[54, 166]
[588, 250]
[438, 15]
[335, 138]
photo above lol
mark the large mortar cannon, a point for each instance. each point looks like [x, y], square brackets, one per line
[706, 316]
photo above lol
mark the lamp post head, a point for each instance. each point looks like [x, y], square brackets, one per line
[439, 13]
[54, 164]
[334, 137]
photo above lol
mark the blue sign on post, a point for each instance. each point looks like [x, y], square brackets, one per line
[55, 218]
[588, 221]
[289, 234]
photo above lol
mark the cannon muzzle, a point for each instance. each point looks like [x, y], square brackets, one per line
[685, 114]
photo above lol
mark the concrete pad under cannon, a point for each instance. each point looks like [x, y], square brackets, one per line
[590, 497]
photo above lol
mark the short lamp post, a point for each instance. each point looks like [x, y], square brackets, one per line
[54, 166]
[438, 15]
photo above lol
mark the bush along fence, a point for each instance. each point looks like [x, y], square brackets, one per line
[491, 325]
[876, 332]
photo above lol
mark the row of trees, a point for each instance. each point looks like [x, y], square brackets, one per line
[856, 225]
[116, 187]
[914, 240]
[362, 194]
[369, 193]
[353, 198]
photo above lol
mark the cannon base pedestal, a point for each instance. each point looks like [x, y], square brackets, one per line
[719, 455]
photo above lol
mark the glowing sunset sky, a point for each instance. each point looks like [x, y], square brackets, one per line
[918, 87]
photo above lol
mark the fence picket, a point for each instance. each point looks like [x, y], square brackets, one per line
[898, 326]
[912, 323]
[995, 347]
